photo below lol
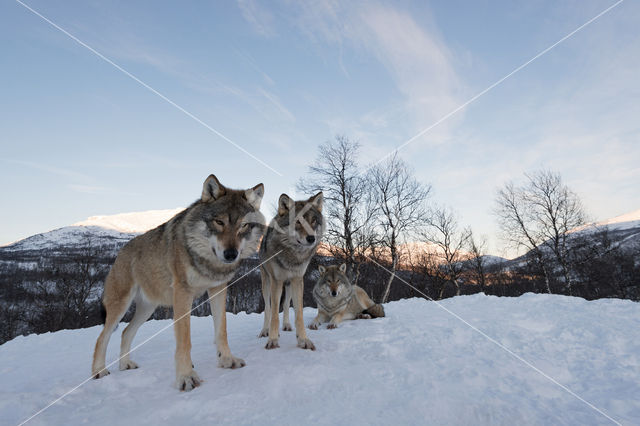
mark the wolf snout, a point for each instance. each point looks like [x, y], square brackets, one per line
[334, 293]
[311, 239]
[230, 255]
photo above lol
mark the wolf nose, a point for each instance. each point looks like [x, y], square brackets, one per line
[334, 293]
[230, 254]
[310, 239]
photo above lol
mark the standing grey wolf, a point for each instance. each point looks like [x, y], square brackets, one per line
[294, 233]
[198, 249]
[339, 300]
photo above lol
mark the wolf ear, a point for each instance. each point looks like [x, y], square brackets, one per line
[212, 189]
[343, 268]
[284, 204]
[317, 200]
[254, 195]
[322, 269]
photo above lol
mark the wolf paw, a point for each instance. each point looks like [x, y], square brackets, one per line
[363, 316]
[188, 382]
[313, 326]
[272, 344]
[100, 373]
[331, 326]
[287, 327]
[231, 362]
[306, 344]
[127, 365]
[264, 333]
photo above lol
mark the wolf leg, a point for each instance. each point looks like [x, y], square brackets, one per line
[337, 319]
[276, 293]
[375, 311]
[144, 309]
[186, 377]
[297, 288]
[319, 319]
[368, 306]
[116, 302]
[286, 324]
[218, 300]
[266, 295]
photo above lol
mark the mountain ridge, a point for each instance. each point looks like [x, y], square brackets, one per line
[124, 226]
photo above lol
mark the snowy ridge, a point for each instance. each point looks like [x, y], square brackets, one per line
[69, 236]
[623, 222]
[99, 229]
[132, 223]
[392, 370]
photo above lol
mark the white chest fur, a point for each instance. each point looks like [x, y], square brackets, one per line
[197, 280]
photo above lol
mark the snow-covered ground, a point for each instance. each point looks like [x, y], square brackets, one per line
[419, 365]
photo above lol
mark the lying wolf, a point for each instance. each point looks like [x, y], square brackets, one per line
[197, 250]
[286, 250]
[339, 300]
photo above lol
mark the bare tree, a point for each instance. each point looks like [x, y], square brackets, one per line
[556, 210]
[539, 217]
[450, 242]
[400, 207]
[477, 251]
[348, 205]
[511, 211]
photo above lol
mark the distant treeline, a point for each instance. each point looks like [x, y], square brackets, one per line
[64, 291]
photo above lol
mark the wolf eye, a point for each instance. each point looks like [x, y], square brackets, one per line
[244, 226]
[219, 222]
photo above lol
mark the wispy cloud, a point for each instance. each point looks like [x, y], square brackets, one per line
[260, 18]
[417, 60]
[197, 75]
[88, 189]
[252, 63]
[55, 170]
[99, 190]
[273, 99]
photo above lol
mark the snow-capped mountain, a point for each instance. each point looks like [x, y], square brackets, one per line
[623, 222]
[112, 230]
[131, 223]
[623, 230]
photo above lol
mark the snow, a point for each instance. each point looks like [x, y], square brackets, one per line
[623, 222]
[67, 236]
[418, 365]
[133, 223]
[121, 227]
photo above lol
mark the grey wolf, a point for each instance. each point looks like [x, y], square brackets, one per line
[339, 300]
[293, 234]
[197, 250]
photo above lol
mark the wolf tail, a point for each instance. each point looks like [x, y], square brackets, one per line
[376, 311]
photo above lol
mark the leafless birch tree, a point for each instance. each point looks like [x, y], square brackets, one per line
[450, 242]
[477, 251]
[400, 207]
[348, 203]
[539, 217]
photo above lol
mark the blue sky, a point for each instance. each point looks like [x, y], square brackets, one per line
[80, 138]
